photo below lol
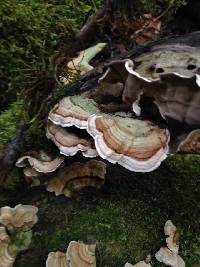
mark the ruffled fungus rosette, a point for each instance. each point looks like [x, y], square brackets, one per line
[16, 233]
[21, 217]
[77, 255]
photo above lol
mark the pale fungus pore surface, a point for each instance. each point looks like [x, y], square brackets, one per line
[70, 143]
[56, 259]
[169, 255]
[136, 145]
[171, 86]
[176, 96]
[78, 176]
[181, 59]
[79, 254]
[21, 217]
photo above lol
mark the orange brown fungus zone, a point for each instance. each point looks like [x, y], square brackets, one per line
[116, 145]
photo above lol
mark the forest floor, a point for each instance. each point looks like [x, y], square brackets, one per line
[126, 217]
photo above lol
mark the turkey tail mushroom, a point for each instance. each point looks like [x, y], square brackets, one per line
[70, 143]
[79, 254]
[136, 145]
[56, 259]
[78, 176]
[144, 263]
[169, 255]
[16, 233]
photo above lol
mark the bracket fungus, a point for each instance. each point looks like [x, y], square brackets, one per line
[40, 164]
[170, 95]
[141, 138]
[176, 96]
[169, 255]
[20, 217]
[78, 176]
[73, 111]
[6, 258]
[15, 234]
[191, 144]
[70, 143]
[56, 259]
[169, 258]
[144, 263]
[136, 145]
[79, 254]
[80, 64]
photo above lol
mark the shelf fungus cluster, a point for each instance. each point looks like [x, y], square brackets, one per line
[142, 110]
[15, 232]
[78, 176]
[163, 84]
[169, 255]
[77, 124]
[38, 164]
[77, 255]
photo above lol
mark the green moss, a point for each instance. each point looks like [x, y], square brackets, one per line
[33, 30]
[124, 232]
[156, 7]
[12, 180]
[126, 218]
[9, 121]
[187, 165]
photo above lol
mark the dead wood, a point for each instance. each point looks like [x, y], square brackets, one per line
[13, 150]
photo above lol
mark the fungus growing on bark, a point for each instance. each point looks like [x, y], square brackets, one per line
[73, 111]
[70, 143]
[173, 92]
[20, 217]
[56, 259]
[170, 58]
[136, 145]
[80, 64]
[43, 163]
[79, 254]
[78, 176]
[169, 255]
[176, 96]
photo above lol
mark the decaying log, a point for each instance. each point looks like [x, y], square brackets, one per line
[165, 70]
[110, 10]
[13, 150]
